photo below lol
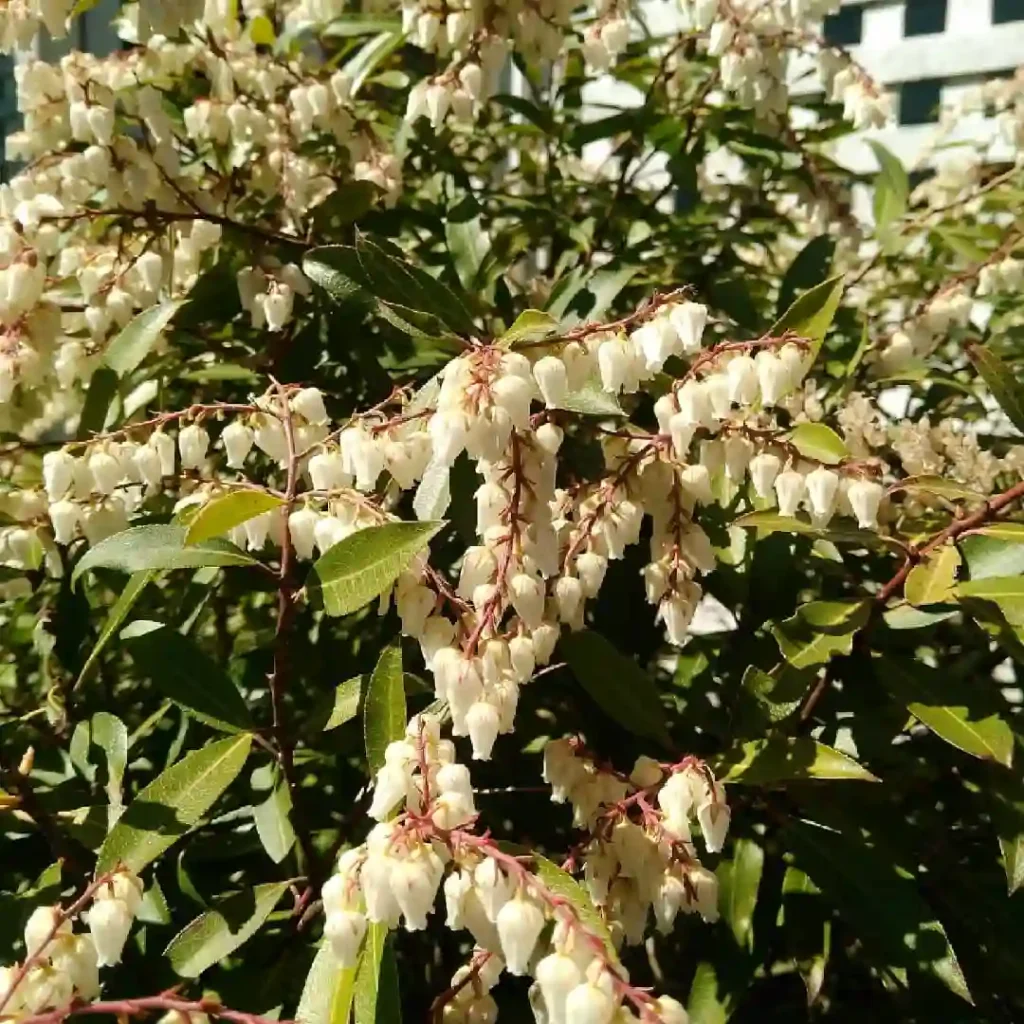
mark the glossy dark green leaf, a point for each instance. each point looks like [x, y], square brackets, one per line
[132, 591]
[819, 442]
[1001, 381]
[883, 905]
[346, 701]
[810, 316]
[384, 715]
[932, 581]
[786, 759]
[377, 997]
[183, 672]
[221, 515]
[141, 548]
[102, 389]
[366, 563]
[215, 935]
[273, 823]
[618, 685]
[172, 803]
[739, 879]
[810, 267]
[530, 325]
[130, 346]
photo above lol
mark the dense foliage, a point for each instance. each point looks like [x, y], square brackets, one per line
[471, 547]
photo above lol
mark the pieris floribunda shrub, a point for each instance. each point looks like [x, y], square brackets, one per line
[468, 551]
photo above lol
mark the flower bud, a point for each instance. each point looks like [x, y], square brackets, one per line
[238, 441]
[344, 929]
[713, 818]
[670, 1011]
[193, 443]
[519, 924]
[110, 921]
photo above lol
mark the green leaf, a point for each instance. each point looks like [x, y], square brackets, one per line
[181, 671]
[769, 522]
[384, 715]
[892, 187]
[707, 1004]
[172, 803]
[102, 389]
[224, 513]
[812, 313]
[940, 486]
[994, 551]
[1008, 818]
[739, 879]
[942, 705]
[110, 734]
[905, 616]
[261, 31]
[469, 245]
[346, 702]
[592, 400]
[328, 990]
[932, 581]
[158, 546]
[366, 563]
[336, 269]
[617, 684]
[273, 824]
[884, 907]
[778, 694]
[365, 62]
[820, 631]
[215, 935]
[818, 442]
[1005, 388]
[130, 346]
[377, 986]
[810, 267]
[785, 759]
[359, 25]
[530, 325]
[346, 204]
[1005, 591]
[126, 601]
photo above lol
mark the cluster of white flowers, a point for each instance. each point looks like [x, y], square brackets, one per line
[61, 965]
[396, 876]
[927, 329]
[634, 866]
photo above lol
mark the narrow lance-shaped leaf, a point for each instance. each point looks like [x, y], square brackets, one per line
[184, 673]
[366, 563]
[785, 759]
[130, 346]
[619, 686]
[328, 991]
[812, 313]
[376, 998]
[172, 803]
[739, 879]
[384, 709]
[1005, 388]
[162, 546]
[219, 516]
[212, 936]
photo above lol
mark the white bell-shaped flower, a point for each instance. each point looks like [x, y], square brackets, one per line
[110, 921]
[590, 569]
[822, 489]
[772, 376]
[309, 404]
[557, 975]
[271, 439]
[713, 817]
[764, 468]
[742, 374]
[790, 487]
[588, 1004]
[43, 925]
[493, 887]
[689, 320]
[58, 474]
[163, 445]
[552, 379]
[327, 471]
[527, 595]
[414, 885]
[238, 441]
[694, 404]
[344, 930]
[106, 471]
[670, 1011]
[483, 723]
[865, 497]
[256, 531]
[302, 531]
[193, 444]
[513, 394]
[696, 481]
[519, 924]
[64, 516]
[76, 957]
